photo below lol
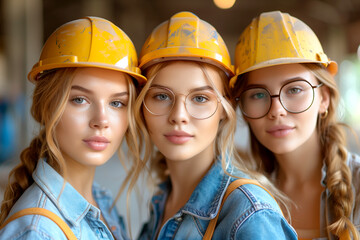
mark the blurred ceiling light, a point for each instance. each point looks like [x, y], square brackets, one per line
[224, 4]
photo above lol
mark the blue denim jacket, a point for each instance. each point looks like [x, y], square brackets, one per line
[248, 213]
[82, 217]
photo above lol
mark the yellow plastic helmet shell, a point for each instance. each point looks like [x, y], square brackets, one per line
[186, 37]
[88, 42]
[276, 38]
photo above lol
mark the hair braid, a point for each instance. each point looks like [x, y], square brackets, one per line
[49, 100]
[20, 178]
[339, 177]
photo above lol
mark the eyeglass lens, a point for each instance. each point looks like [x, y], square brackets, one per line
[199, 104]
[295, 97]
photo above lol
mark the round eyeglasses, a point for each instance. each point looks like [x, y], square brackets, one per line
[199, 104]
[295, 97]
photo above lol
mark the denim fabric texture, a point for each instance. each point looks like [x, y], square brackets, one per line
[82, 217]
[248, 213]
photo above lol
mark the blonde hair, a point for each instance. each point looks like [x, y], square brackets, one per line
[224, 143]
[49, 100]
[50, 96]
[333, 145]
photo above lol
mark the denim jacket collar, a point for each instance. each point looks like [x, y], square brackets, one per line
[72, 205]
[200, 205]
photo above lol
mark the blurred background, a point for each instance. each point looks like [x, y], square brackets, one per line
[26, 24]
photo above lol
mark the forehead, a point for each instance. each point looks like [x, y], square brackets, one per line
[279, 75]
[99, 79]
[183, 76]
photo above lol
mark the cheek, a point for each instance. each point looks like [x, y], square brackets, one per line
[72, 121]
[119, 123]
[254, 125]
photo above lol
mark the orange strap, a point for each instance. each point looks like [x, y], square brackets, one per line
[345, 235]
[234, 185]
[46, 213]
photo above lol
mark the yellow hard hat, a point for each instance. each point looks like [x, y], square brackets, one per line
[276, 38]
[186, 37]
[88, 42]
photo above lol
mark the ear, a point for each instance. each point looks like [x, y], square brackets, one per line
[325, 99]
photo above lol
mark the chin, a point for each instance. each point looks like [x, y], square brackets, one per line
[96, 160]
[176, 157]
[281, 149]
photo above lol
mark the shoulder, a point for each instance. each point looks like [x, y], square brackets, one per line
[32, 227]
[252, 212]
[253, 198]
[34, 197]
[354, 165]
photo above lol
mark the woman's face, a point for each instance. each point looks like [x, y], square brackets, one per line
[95, 119]
[175, 131]
[279, 130]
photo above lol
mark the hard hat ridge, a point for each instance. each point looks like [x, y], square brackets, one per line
[88, 42]
[186, 37]
[276, 38]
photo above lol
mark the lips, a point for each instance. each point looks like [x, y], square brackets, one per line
[280, 130]
[178, 137]
[97, 143]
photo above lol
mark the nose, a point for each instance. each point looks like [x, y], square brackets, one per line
[100, 118]
[276, 108]
[178, 113]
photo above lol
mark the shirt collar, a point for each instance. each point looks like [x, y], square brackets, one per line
[205, 200]
[69, 202]
[323, 175]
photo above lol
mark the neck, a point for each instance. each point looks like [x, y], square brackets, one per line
[81, 178]
[185, 175]
[303, 165]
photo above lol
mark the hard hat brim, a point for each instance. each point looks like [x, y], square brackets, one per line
[186, 53]
[33, 75]
[331, 66]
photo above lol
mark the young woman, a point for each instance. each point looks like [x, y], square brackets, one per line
[286, 91]
[83, 96]
[185, 112]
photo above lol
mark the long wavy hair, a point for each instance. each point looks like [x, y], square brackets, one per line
[224, 143]
[50, 96]
[333, 145]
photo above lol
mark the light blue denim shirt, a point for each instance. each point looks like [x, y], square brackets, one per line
[326, 208]
[248, 213]
[82, 217]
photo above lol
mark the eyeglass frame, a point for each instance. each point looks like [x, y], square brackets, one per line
[237, 99]
[173, 104]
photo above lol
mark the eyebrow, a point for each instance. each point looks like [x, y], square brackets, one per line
[282, 83]
[77, 87]
[207, 87]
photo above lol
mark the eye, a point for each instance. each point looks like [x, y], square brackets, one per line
[117, 104]
[294, 90]
[161, 97]
[259, 95]
[78, 100]
[200, 99]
